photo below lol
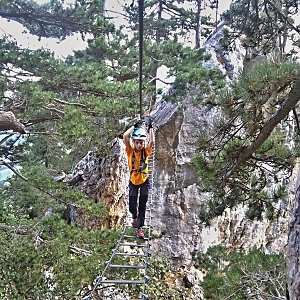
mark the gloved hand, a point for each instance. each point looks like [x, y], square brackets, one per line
[138, 124]
[148, 122]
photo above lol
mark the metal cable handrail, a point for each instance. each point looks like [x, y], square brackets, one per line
[151, 168]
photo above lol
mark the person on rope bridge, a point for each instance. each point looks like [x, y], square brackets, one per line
[138, 152]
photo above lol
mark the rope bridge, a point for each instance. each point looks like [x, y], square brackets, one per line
[129, 253]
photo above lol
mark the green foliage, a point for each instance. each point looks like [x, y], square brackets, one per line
[45, 251]
[242, 275]
[166, 25]
[168, 20]
[68, 107]
[253, 19]
[75, 125]
[245, 110]
[186, 66]
[49, 265]
[189, 72]
[53, 19]
[18, 197]
[163, 283]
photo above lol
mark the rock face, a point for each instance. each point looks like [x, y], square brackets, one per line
[106, 180]
[177, 196]
[293, 247]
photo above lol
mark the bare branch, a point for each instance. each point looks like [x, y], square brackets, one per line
[69, 103]
[53, 109]
[13, 229]
[80, 251]
[2, 162]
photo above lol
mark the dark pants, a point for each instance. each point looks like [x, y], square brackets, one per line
[138, 208]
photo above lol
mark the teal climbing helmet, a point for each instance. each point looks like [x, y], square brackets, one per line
[139, 134]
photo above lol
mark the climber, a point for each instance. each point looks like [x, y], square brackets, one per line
[138, 153]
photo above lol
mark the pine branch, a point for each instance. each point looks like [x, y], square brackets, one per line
[69, 103]
[58, 111]
[269, 126]
[285, 18]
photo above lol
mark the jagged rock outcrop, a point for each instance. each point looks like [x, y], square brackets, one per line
[104, 179]
[230, 59]
[177, 196]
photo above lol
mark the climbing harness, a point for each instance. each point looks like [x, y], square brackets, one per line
[142, 165]
[128, 254]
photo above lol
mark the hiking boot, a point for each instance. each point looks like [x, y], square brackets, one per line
[135, 223]
[139, 233]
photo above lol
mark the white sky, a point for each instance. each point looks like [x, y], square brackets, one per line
[64, 48]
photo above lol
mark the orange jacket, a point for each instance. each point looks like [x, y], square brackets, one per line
[136, 176]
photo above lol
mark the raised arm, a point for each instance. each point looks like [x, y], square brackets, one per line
[126, 136]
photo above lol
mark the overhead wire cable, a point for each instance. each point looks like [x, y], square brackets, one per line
[141, 53]
[122, 242]
[149, 210]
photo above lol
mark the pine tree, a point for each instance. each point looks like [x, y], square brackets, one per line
[250, 149]
[168, 28]
[67, 108]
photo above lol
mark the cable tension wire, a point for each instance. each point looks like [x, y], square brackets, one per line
[141, 48]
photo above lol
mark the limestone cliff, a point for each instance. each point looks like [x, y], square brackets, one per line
[293, 247]
[177, 196]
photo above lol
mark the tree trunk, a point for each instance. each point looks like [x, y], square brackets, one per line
[217, 12]
[198, 24]
[268, 128]
[103, 7]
